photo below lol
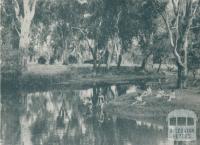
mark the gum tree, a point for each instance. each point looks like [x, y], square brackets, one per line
[178, 26]
[24, 12]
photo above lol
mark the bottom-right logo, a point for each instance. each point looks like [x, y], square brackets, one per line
[182, 125]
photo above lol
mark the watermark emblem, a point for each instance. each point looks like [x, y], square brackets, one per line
[182, 125]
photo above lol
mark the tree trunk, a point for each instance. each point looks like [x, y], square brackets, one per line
[194, 74]
[143, 66]
[25, 21]
[179, 79]
[120, 58]
[24, 42]
[159, 65]
[182, 77]
[95, 65]
[185, 15]
[95, 96]
[185, 77]
[108, 62]
[185, 71]
[31, 58]
[119, 61]
[144, 62]
[107, 59]
[95, 61]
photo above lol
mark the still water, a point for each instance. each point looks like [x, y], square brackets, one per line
[74, 117]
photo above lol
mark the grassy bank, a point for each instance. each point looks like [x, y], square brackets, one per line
[155, 107]
[44, 76]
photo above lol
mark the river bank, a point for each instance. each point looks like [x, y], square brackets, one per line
[44, 76]
[154, 107]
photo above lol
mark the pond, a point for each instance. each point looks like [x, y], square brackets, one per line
[74, 117]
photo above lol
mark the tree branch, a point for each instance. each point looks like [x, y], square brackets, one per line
[177, 24]
[117, 21]
[17, 11]
[175, 7]
[169, 32]
[166, 21]
[32, 13]
[26, 6]
[196, 8]
[190, 15]
[16, 7]
[17, 29]
[178, 58]
[77, 28]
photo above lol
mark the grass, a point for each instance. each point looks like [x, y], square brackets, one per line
[155, 107]
[44, 76]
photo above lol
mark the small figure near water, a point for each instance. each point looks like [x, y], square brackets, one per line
[172, 95]
[139, 99]
[163, 94]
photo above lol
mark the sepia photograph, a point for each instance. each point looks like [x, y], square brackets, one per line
[100, 72]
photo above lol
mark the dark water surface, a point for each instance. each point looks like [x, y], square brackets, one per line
[73, 117]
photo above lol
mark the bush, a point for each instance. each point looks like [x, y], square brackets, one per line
[42, 60]
[70, 60]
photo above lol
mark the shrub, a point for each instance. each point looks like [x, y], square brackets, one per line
[42, 60]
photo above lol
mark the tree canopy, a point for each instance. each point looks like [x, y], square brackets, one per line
[102, 29]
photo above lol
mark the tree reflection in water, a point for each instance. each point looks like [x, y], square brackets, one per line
[72, 117]
[12, 107]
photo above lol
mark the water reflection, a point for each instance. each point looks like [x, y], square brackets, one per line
[73, 117]
[10, 124]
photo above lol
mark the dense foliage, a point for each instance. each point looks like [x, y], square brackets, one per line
[101, 31]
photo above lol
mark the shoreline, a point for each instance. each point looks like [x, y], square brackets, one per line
[50, 76]
[123, 105]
